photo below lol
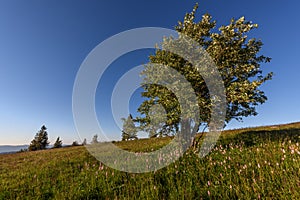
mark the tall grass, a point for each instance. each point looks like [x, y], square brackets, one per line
[250, 164]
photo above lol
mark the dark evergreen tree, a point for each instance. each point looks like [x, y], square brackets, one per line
[75, 143]
[40, 140]
[58, 143]
[84, 142]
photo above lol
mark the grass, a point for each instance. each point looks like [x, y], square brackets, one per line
[254, 163]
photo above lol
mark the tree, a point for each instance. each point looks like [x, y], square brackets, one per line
[40, 140]
[84, 142]
[75, 143]
[58, 143]
[237, 60]
[95, 139]
[129, 130]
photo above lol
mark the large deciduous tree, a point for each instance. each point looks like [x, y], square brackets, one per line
[237, 59]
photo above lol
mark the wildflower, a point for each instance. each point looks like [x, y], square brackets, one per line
[258, 165]
[208, 183]
[230, 186]
[208, 192]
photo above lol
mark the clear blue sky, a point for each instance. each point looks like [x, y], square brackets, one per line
[43, 43]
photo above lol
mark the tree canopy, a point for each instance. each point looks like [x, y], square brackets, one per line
[129, 130]
[237, 59]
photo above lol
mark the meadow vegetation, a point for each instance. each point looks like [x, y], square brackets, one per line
[256, 163]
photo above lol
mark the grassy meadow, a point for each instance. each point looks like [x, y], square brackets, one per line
[254, 163]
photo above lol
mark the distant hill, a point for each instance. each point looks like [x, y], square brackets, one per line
[11, 148]
[159, 142]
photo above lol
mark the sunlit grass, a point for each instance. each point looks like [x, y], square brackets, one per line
[249, 164]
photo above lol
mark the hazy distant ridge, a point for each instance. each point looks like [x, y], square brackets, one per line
[11, 148]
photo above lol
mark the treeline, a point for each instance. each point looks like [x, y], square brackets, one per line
[41, 141]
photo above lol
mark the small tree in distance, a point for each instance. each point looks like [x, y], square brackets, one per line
[75, 143]
[40, 140]
[129, 130]
[84, 142]
[58, 143]
[95, 139]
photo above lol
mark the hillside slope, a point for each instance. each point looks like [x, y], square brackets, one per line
[255, 163]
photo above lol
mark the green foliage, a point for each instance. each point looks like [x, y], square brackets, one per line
[40, 140]
[266, 167]
[75, 143]
[94, 139]
[129, 130]
[58, 143]
[238, 62]
[23, 150]
[84, 142]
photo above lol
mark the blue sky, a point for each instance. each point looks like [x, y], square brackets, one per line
[43, 43]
